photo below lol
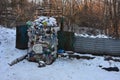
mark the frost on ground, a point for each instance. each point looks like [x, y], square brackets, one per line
[61, 69]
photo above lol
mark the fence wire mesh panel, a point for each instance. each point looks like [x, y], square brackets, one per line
[97, 45]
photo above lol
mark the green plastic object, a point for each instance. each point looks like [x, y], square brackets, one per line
[45, 23]
[29, 23]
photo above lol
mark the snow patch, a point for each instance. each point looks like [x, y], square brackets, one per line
[61, 69]
[92, 36]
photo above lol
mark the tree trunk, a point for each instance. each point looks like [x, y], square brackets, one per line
[115, 19]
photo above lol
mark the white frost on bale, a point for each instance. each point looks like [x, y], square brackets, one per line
[51, 21]
[92, 36]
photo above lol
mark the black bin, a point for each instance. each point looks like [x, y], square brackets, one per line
[21, 37]
[66, 40]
